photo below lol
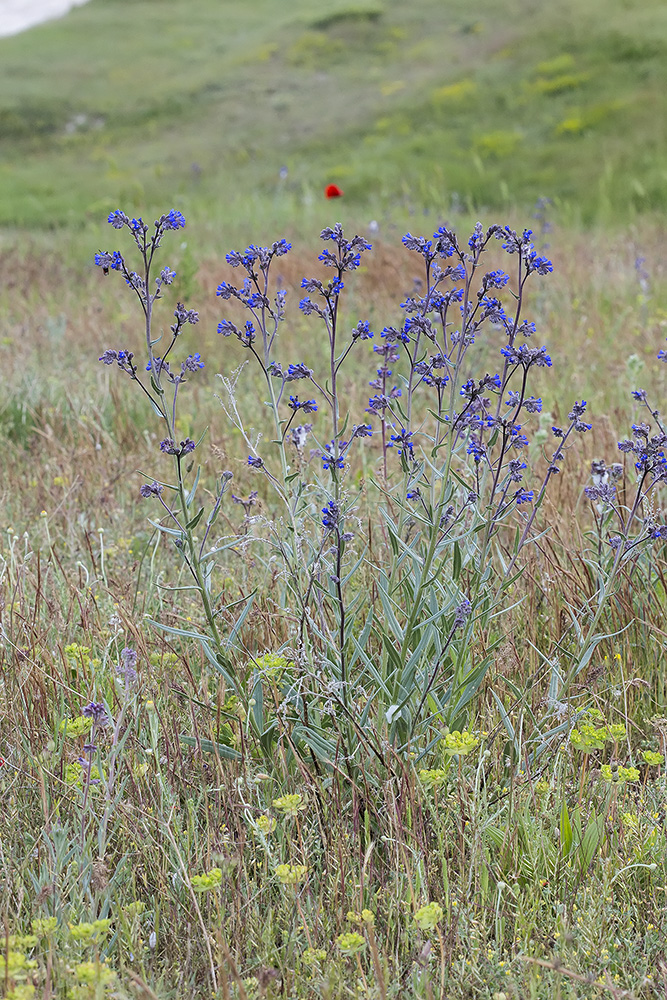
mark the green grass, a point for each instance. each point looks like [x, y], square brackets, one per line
[203, 103]
[520, 879]
[549, 879]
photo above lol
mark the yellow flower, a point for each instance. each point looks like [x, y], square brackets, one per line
[80, 726]
[351, 944]
[433, 778]
[210, 880]
[266, 824]
[22, 991]
[460, 743]
[312, 955]
[291, 874]
[94, 972]
[652, 758]
[90, 931]
[44, 927]
[619, 774]
[429, 916]
[587, 738]
[271, 665]
[290, 805]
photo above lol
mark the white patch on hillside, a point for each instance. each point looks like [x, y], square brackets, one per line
[17, 15]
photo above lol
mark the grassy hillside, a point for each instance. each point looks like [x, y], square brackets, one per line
[426, 105]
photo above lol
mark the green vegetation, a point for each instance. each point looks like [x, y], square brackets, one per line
[173, 870]
[204, 847]
[143, 103]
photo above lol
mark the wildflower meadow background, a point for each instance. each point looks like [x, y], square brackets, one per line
[333, 541]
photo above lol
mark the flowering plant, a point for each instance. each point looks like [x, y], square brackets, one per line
[380, 646]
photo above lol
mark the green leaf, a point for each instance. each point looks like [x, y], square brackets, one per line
[186, 633]
[240, 621]
[509, 728]
[195, 520]
[591, 841]
[257, 710]
[323, 749]
[163, 529]
[566, 836]
[207, 746]
[456, 567]
[191, 495]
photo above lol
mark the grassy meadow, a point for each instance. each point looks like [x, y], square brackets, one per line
[329, 783]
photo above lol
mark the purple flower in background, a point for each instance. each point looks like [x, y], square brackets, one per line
[96, 711]
[463, 612]
[127, 668]
[153, 489]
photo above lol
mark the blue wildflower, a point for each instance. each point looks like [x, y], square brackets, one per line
[575, 414]
[362, 331]
[402, 442]
[118, 219]
[307, 405]
[107, 260]
[537, 263]
[527, 356]
[192, 363]
[495, 279]
[174, 220]
[331, 516]
[362, 430]
[297, 372]
[476, 449]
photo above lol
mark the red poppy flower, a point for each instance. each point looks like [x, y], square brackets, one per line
[333, 191]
